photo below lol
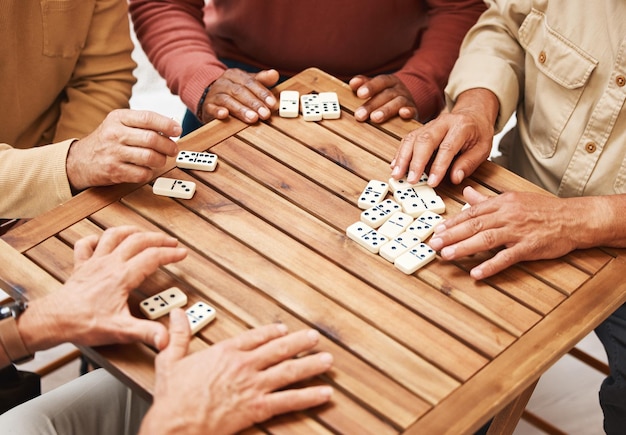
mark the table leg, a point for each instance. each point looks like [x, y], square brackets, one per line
[506, 420]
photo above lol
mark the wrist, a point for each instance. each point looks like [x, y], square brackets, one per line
[479, 100]
[73, 169]
[38, 326]
[14, 349]
[199, 108]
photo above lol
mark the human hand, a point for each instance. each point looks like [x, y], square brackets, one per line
[244, 95]
[91, 308]
[529, 226]
[388, 97]
[125, 148]
[234, 382]
[464, 135]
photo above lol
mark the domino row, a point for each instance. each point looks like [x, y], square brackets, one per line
[315, 107]
[199, 314]
[183, 189]
[414, 198]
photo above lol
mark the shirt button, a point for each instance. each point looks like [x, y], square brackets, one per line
[620, 80]
[542, 57]
[590, 147]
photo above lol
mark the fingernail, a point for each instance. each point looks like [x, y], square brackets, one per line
[270, 101]
[440, 228]
[436, 243]
[360, 113]
[250, 115]
[477, 273]
[313, 335]
[377, 116]
[282, 328]
[433, 180]
[326, 358]
[362, 93]
[326, 392]
[448, 251]
[264, 112]
[177, 131]
[460, 175]
[396, 171]
[411, 178]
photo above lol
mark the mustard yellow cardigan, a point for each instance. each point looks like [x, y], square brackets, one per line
[64, 65]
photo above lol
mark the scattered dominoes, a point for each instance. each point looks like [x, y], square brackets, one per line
[366, 236]
[162, 303]
[289, 104]
[311, 107]
[196, 160]
[395, 225]
[329, 103]
[396, 230]
[377, 215]
[174, 188]
[373, 194]
[415, 258]
[398, 246]
[425, 224]
[199, 315]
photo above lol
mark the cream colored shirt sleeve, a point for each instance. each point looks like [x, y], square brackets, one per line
[34, 180]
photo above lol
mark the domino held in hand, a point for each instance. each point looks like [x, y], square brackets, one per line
[174, 188]
[162, 303]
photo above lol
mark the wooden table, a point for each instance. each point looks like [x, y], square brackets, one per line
[428, 353]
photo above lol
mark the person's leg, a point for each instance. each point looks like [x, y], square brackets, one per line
[95, 404]
[612, 334]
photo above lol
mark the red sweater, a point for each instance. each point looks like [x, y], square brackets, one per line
[419, 40]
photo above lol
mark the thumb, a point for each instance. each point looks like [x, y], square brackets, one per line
[472, 196]
[180, 336]
[148, 331]
[268, 77]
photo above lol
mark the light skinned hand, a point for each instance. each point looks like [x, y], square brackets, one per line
[387, 97]
[459, 141]
[241, 94]
[233, 384]
[523, 226]
[91, 308]
[125, 148]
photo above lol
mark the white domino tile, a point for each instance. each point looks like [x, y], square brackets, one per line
[195, 160]
[373, 194]
[398, 246]
[425, 224]
[366, 236]
[199, 315]
[415, 258]
[174, 188]
[329, 105]
[397, 223]
[403, 184]
[163, 302]
[289, 105]
[377, 215]
[310, 105]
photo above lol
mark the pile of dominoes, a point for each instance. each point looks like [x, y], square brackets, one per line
[199, 314]
[397, 228]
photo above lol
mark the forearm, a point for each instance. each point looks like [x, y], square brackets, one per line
[173, 35]
[426, 73]
[32, 180]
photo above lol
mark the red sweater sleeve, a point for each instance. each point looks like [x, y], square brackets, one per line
[426, 72]
[173, 35]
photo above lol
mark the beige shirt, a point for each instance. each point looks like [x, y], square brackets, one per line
[561, 64]
[64, 65]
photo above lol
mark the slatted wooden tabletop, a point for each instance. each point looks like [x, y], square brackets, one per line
[432, 352]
